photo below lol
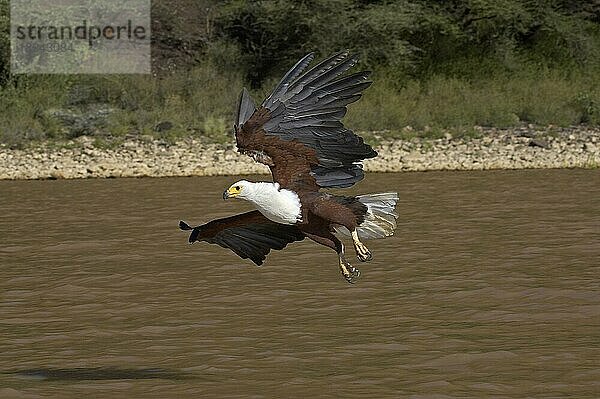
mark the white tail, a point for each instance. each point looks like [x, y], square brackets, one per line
[380, 220]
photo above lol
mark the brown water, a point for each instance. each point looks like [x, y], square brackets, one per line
[491, 287]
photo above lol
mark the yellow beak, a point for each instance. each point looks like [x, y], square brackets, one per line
[232, 191]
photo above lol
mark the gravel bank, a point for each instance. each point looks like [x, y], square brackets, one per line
[522, 148]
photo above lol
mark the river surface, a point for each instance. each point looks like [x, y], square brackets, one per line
[490, 288]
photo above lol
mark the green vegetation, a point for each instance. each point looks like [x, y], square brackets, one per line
[541, 97]
[436, 65]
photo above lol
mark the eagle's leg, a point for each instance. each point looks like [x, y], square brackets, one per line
[349, 272]
[362, 252]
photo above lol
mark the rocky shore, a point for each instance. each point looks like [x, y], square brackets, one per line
[520, 148]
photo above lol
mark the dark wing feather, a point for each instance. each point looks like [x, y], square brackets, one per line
[245, 108]
[288, 78]
[315, 71]
[298, 130]
[250, 235]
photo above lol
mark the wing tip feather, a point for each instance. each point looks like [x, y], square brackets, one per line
[184, 226]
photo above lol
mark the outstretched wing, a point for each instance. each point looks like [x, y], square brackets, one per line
[249, 235]
[297, 131]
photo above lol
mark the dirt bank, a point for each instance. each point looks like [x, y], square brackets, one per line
[522, 148]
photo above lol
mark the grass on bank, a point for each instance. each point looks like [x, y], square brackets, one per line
[201, 103]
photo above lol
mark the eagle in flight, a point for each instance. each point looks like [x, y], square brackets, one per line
[297, 132]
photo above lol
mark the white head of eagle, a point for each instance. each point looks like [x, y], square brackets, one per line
[277, 204]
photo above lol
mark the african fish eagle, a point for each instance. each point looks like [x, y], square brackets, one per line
[297, 132]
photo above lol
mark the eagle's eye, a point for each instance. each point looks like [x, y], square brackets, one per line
[237, 188]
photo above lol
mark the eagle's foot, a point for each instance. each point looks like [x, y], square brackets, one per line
[362, 252]
[350, 273]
